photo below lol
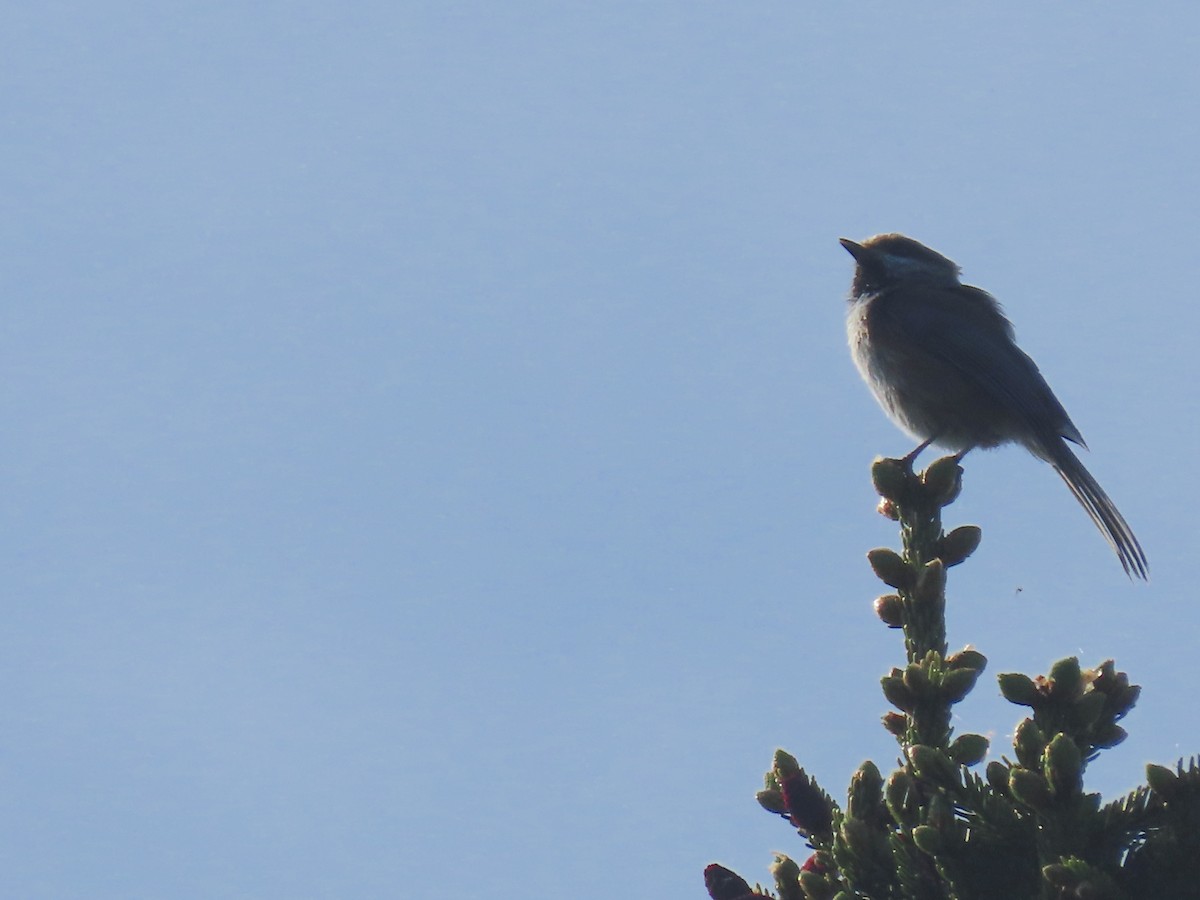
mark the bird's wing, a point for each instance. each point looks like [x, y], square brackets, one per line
[966, 330]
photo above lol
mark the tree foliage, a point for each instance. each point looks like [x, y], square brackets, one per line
[938, 829]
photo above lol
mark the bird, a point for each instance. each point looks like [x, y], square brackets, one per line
[942, 360]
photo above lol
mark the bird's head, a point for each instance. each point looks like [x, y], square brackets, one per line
[887, 260]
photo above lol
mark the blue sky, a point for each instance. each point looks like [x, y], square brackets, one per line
[432, 460]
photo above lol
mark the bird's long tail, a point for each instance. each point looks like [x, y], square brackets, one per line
[1098, 505]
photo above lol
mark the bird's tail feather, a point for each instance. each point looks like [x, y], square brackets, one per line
[1101, 509]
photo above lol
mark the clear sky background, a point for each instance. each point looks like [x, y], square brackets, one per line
[432, 463]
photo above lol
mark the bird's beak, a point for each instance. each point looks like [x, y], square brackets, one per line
[858, 251]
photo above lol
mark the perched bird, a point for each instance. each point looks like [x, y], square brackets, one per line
[941, 359]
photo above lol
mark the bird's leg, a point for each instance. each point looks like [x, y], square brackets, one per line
[958, 457]
[908, 460]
